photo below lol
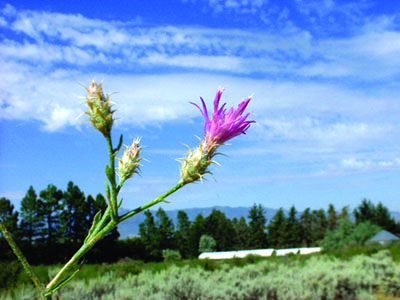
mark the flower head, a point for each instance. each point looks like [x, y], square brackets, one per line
[129, 163]
[224, 124]
[194, 165]
[100, 112]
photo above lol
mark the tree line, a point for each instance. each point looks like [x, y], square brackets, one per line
[51, 226]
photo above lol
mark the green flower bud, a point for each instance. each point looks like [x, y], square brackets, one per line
[129, 163]
[194, 165]
[100, 112]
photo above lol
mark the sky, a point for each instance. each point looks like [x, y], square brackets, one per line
[324, 75]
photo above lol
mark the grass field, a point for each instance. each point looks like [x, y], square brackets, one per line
[354, 273]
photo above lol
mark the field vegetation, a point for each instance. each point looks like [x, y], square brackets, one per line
[161, 263]
[368, 272]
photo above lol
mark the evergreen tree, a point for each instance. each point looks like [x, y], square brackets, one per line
[277, 230]
[365, 212]
[197, 230]
[306, 226]
[384, 220]
[148, 231]
[241, 233]
[182, 234]
[10, 219]
[30, 220]
[344, 213]
[256, 230]
[332, 218]
[164, 231]
[75, 217]
[49, 209]
[319, 225]
[293, 230]
[8, 216]
[221, 229]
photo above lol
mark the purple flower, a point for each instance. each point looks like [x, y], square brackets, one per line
[223, 124]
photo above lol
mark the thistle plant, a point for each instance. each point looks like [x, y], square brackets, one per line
[222, 126]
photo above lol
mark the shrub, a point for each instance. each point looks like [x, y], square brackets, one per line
[207, 244]
[171, 255]
[9, 274]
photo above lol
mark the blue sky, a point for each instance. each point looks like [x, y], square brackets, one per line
[325, 77]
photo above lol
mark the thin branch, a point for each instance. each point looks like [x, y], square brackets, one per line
[39, 285]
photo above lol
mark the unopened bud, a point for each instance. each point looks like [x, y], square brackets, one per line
[100, 112]
[129, 163]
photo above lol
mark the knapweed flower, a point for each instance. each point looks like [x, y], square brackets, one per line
[223, 126]
[129, 163]
[100, 112]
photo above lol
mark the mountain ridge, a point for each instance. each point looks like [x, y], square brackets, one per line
[130, 227]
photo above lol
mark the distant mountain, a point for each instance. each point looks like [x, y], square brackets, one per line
[395, 215]
[131, 226]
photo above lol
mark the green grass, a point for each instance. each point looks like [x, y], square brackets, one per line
[371, 272]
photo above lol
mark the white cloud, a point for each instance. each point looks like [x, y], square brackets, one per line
[9, 10]
[371, 52]
[325, 134]
[323, 8]
[368, 165]
[239, 6]
[12, 195]
[300, 110]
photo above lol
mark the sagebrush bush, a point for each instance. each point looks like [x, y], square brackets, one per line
[314, 277]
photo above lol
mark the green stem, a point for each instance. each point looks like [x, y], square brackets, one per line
[63, 273]
[151, 203]
[69, 266]
[22, 259]
[113, 200]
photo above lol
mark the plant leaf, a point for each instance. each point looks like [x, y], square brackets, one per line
[92, 229]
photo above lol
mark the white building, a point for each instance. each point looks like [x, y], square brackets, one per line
[260, 252]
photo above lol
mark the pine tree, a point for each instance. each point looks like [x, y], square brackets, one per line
[75, 217]
[182, 233]
[293, 230]
[319, 225]
[383, 219]
[241, 233]
[344, 213]
[30, 219]
[365, 212]
[164, 231]
[221, 229]
[196, 231]
[306, 226]
[277, 230]
[50, 208]
[147, 231]
[8, 216]
[332, 218]
[257, 236]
